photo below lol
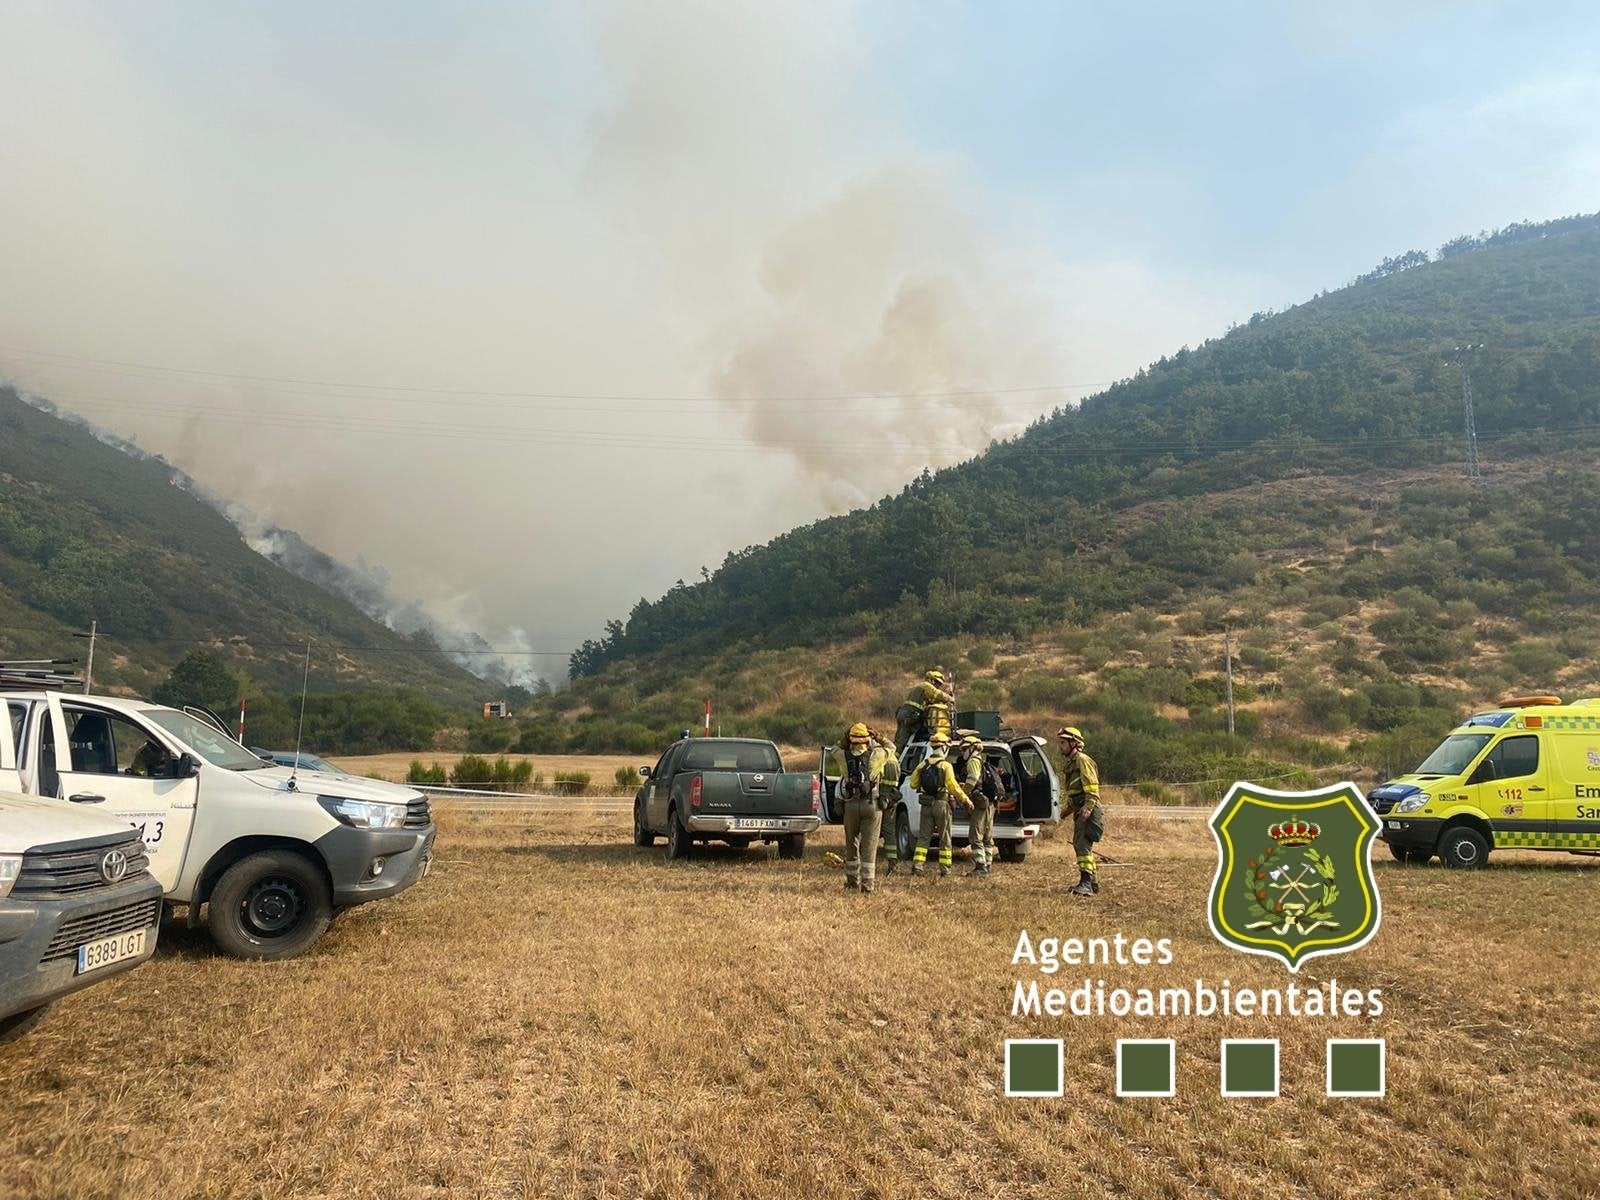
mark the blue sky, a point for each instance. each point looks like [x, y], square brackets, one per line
[725, 213]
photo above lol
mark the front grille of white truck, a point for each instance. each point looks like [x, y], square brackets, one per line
[75, 931]
[418, 815]
[59, 872]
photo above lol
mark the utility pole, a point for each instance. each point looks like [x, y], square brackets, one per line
[88, 670]
[1464, 363]
[1227, 653]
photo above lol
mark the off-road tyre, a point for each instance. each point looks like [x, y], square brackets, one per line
[905, 841]
[1012, 851]
[270, 905]
[641, 835]
[792, 845]
[679, 843]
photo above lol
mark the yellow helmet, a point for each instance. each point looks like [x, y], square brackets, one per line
[972, 739]
[1070, 731]
[939, 739]
[936, 676]
[859, 732]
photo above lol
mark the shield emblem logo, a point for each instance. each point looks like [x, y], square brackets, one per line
[1294, 872]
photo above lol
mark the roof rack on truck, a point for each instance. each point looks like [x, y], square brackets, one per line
[43, 674]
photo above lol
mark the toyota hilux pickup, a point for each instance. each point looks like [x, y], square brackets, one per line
[269, 853]
[77, 904]
[733, 790]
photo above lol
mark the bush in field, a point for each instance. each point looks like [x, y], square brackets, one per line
[472, 770]
[980, 693]
[418, 773]
[981, 655]
[628, 779]
[572, 783]
[1044, 693]
[1158, 793]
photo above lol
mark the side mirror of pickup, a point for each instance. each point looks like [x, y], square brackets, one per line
[185, 766]
[644, 772]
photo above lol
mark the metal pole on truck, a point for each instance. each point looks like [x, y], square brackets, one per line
[88, 669]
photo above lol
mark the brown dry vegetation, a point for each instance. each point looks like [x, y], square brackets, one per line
[555, 1013]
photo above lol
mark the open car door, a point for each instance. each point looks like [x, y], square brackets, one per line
[1038, 789]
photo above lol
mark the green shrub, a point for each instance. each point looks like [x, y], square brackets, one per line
[417, 773]
[472, 770]
[628, 779]
[1157, 793]
[981, 655]
[1535, 661]
[1044, 693]
[571, 783]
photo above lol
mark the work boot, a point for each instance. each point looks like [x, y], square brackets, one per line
[851, 885]
[944, 871]
[916, 868]
[889, 866]
[1086, 885]
[980, 869]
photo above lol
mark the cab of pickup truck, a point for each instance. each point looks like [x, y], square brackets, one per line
[267, 852]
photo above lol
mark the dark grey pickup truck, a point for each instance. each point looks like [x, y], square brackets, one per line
[733, 790]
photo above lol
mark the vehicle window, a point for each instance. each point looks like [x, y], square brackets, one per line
[659, 771]
[738, 756]
[104, 743]
[1031, 762]
[913, 757]
[1454, 755]
[216, 748]
[1511, 759]
[19, 729]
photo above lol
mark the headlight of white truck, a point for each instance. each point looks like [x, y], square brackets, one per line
[365, 814]
[10, 867]
[1412, 803]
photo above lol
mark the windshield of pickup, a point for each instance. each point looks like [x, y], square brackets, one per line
[1454, 755]
[732, 756]
[205, 741]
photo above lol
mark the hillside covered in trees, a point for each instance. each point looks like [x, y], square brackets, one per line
[89, 533]
[1353, 380]
[1299, 480]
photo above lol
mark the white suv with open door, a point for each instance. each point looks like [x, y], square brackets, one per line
[272, 852]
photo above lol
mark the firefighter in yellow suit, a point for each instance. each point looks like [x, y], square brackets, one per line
[859, 784]
[1082, 788]
[936, 785]
[926, 710]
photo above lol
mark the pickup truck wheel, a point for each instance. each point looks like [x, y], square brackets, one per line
[17, 1024]
[792, 845]
[1012, 851]
[679, 843]
[641, 835]
[904, 843]
[270, 905]
[1464, 848]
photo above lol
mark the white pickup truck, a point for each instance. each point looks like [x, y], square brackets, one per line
[1033, 796]
[271, 853]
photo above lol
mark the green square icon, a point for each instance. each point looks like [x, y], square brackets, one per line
[1146, 1067]
[1249, 1066]
[1355, 1067]
[1034, 1067]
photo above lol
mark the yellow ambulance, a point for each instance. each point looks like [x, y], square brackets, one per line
[1525, 776]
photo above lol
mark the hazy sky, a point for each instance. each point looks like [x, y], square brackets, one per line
[541, 307]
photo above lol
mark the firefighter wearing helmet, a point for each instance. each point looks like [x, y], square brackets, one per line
[861, 787]
[1082, 788]
[926, 710]
[936, 786]
[968, 762]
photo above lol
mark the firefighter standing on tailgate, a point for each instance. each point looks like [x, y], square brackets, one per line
[1082, 788]
[980, 824]
[936, 784]
[926, 710]
[859, 788]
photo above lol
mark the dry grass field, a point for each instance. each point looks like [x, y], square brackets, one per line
[554, 1013]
